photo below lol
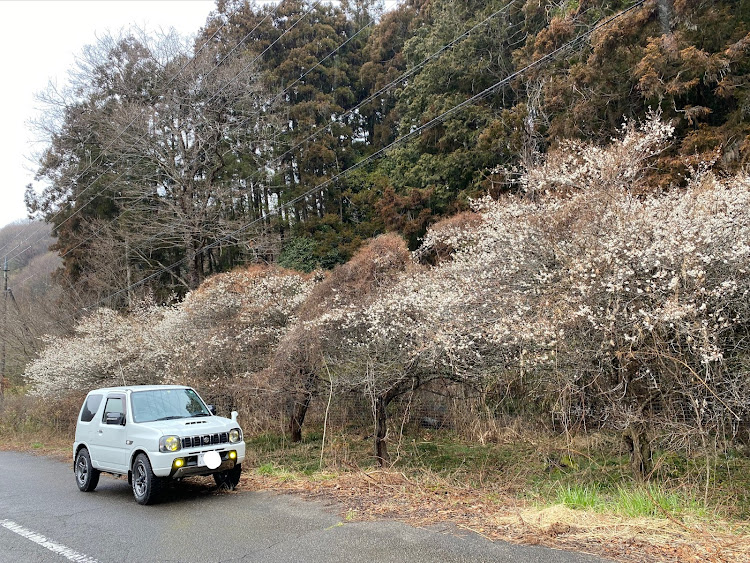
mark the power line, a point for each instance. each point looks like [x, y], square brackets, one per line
[404, 76]
[442, 117]
[258, 57]
[410, 72]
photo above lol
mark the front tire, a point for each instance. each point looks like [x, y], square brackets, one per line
[228, 479]
[146, 485]
[87, 478]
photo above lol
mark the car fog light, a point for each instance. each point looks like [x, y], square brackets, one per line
[232, 455]
[179, 462]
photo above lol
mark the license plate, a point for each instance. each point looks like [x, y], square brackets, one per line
[212, 460]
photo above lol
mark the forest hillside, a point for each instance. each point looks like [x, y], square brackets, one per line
[292, 133]
[33, 304]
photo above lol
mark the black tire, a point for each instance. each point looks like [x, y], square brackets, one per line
[228, 479]
[146, 485]
[87, 478]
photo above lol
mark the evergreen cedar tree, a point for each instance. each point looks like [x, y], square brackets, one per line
[123, 208]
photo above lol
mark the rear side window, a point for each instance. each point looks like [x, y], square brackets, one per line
[90, 406]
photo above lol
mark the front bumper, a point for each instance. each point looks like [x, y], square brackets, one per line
[163, 464]
[192, 468]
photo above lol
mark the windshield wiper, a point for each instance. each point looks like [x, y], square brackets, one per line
[170, 417]
[200, 414]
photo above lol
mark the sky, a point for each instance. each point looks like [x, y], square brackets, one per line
[39, 43]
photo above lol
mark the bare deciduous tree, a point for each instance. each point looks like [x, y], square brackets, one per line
[144, 161]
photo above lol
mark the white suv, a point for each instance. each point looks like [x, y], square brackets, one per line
[151, 433]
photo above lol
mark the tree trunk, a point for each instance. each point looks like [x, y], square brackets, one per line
[192, 261]
[381, 429]
[298, 417]
[299, 410]
[664, 9]
[636, 439]
[129, 276]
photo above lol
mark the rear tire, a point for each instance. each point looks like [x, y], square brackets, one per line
[229, 479]
[87, 478]
[146, 485]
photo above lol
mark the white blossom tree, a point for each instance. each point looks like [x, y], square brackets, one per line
[587, 298]
[222, 331]
[107, 348]
[320, 343]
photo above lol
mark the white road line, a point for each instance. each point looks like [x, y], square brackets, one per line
[60, 549]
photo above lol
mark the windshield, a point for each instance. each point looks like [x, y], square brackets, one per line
[167, 404]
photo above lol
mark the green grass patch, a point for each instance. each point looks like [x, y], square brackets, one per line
[579, 497]
[275, 449]
[633, 500]
[271, 470]
[476, 464]
[647, 500]
[655, 500]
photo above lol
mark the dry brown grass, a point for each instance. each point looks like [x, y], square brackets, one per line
[55, 446]
[374, 266]
[371, 495]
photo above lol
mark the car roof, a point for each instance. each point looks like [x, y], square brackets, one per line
[134, 388]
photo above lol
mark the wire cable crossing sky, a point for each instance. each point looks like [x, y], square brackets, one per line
[578, 40]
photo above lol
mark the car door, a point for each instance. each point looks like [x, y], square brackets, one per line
[112, 448]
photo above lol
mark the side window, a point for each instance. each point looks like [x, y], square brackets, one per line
[114, 406]
[90, 406]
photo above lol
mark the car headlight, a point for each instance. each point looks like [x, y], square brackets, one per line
[169, 443]
[235, 435]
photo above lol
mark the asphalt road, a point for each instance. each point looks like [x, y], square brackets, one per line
[44, 517]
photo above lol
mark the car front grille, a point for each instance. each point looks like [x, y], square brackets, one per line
[205, 440]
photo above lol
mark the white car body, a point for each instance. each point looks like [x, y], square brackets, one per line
[109, 428]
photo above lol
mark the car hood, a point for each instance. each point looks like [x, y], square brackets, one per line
[193, 426]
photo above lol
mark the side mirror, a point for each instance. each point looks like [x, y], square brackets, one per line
[234, 416]
[116, 418]
[212, 409]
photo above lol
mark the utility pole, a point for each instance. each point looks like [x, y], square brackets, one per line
[5, 327]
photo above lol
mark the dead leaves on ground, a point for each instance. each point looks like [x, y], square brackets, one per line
[495, 515]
